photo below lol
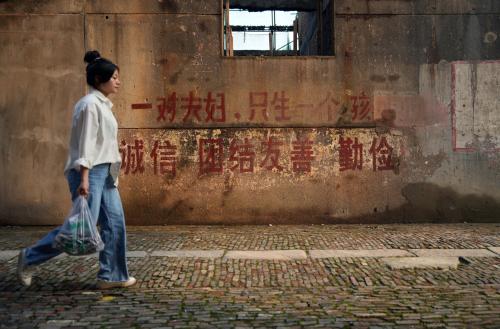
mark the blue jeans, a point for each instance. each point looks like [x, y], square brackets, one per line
[106, 207]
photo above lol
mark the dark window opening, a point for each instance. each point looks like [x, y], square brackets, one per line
[278, 28]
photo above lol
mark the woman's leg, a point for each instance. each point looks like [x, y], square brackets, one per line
[113, 259]
[42, 250]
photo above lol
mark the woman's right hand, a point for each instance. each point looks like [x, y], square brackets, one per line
[83, 189]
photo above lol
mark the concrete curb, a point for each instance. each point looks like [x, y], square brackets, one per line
[338, 253]
[294, 254]
[397, 263]
[453, 253]
[266, 254]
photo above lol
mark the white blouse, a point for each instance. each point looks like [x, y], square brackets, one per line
[94, 133]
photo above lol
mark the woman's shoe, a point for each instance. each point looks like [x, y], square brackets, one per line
[101, 284]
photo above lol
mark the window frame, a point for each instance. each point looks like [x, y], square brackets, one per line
[222, 37]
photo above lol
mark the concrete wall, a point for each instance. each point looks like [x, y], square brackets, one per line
[400, 126]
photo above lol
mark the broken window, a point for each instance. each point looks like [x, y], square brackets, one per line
[278, 28]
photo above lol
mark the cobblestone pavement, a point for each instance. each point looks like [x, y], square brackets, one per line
[219, 292]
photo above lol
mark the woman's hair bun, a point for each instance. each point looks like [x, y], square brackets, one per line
[99, 69]
[91, 56]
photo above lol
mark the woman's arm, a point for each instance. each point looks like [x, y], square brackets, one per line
[83, 189]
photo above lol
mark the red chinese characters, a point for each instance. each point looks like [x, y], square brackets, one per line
[211, 155]
[381, 153]
[132, 157]
[241, 155]
[215, 155]
[196, 109]
[215, 108]
[272, 151]
[192, 105]
[331, 105]
[302, 155]
[263, 106]
[167, 106]
[258, 103]
[360, 107]
[164, 157]
[350, 154]
[280, 104]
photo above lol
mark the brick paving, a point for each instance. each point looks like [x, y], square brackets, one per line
[221, 292]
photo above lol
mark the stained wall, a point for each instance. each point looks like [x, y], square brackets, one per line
[401, 125]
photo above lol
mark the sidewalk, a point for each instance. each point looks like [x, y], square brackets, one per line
[315, 276]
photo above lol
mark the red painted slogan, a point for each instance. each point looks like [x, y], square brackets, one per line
[262, 106]
[245, 155]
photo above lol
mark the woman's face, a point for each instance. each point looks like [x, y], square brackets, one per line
[110, 87]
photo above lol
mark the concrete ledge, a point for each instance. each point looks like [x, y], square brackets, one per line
[421, 262]
[453, 252]
[267, 254]
[137, 254]
[496, 250]
[188, 253]
[130, 254]
[333, 253]
[8, 254]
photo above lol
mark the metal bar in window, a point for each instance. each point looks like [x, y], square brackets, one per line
[261, 28]
[295, 32]
[228, 31]
[332, 28]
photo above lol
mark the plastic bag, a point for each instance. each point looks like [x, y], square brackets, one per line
[78, 234]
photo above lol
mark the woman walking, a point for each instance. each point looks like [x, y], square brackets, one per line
[92, 170]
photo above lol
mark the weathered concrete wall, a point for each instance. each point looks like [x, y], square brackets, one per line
[429, 69]
[40, 76]
[400, 126]
[241, 175]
